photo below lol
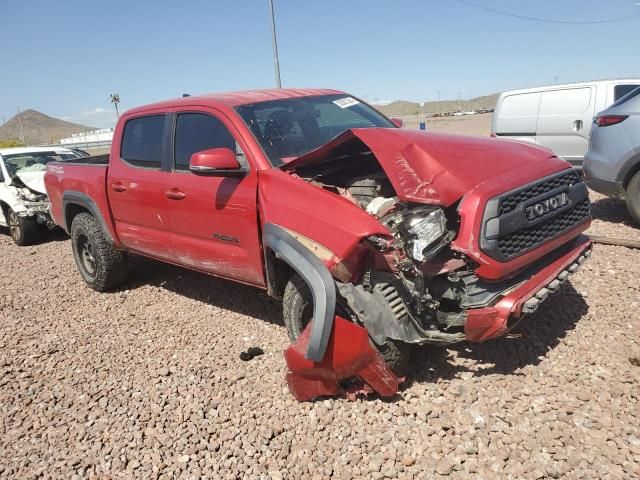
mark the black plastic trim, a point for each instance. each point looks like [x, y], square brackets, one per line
[318, 278]
[73, 197]
[495, 225]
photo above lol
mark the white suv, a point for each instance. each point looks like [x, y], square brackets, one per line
[24, 206]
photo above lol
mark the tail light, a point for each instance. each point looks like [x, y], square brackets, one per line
[608, 120]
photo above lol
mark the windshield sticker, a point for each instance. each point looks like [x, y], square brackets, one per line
[346, 102]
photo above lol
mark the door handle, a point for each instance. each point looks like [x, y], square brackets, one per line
[118, 187]
[577, 125]
[175, 194]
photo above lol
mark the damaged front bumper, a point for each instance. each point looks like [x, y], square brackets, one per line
[494, 321]
[348, 354]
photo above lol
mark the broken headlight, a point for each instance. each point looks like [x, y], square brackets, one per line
[427, 231]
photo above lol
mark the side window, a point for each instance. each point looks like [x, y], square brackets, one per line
[620, 91]
[196, 132]
[142, 141]
[570, 101]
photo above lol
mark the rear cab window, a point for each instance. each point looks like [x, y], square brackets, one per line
[142, 141]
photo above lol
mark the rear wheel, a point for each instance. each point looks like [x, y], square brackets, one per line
[633, 197]
[297, 305]
[102, 266]
[23, 230]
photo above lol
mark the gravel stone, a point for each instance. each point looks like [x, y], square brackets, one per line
[147, 382]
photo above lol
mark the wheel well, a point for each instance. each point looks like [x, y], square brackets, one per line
[631, 173]
[278, 273]
[71, 210]
[4, 207]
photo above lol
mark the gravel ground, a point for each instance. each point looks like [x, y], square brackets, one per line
[147, 383]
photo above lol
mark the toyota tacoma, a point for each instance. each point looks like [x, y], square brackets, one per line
[376, 238]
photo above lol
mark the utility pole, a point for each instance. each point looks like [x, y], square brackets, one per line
[276, 60]
[438, 94]
[556, 77]
[21, 130]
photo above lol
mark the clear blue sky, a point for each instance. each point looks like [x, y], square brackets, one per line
[65, 57]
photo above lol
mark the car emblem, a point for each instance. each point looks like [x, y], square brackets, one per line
[550, 204]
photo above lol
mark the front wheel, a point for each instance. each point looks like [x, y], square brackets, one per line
[633, 197]
[297, 308]
[102, 266]
[23, 230]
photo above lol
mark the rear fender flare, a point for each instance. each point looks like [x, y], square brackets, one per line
[317, 277]
[72, 197]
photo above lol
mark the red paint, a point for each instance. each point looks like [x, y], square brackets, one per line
[216, 158]
[349, 354]
[485, 323]
[439, 168]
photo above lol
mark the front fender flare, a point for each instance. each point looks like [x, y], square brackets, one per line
[316, 275]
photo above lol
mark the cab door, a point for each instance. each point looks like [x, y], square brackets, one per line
[213, 219]
[135, 185]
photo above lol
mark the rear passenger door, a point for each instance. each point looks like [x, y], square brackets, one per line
[135, 185]
[564, 121]
[214, 220]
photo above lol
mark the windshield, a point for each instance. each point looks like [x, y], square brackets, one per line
[33, 161]
[289, 128]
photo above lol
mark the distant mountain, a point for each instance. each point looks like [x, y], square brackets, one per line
[401, 108]
[39, 128]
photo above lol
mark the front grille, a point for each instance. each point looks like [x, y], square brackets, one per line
[508, 204]
[519, 221]
[511, 245]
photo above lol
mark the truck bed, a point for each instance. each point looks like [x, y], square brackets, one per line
[81, 178]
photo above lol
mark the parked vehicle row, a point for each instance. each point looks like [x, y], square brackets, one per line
[314, 196]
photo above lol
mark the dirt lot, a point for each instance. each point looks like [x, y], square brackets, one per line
[146, 382]
[478, 125]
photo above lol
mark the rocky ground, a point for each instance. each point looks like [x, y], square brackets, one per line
[146, 382]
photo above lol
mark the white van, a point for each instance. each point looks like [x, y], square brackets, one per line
[558, 116]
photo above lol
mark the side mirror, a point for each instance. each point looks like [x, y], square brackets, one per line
[221, 162]
[398, 122]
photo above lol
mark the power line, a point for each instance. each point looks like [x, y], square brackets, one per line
[546, 20]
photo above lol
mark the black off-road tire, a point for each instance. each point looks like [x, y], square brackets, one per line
[297, 306]
[23, 230]
[102, 267]
[297, 309]
[633, 197]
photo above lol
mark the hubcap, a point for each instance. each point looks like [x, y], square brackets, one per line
[87, 255]
[14, 226]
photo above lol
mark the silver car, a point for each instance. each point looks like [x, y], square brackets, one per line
[612, 164]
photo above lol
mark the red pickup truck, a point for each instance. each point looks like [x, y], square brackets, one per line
[414, 238]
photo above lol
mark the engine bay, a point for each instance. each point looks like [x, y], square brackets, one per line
[413, 287]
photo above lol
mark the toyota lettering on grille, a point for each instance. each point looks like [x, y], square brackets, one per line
[548, 205]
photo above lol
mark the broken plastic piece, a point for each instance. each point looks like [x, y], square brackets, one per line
[348, 354]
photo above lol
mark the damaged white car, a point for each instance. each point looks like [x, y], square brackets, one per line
[24, 206]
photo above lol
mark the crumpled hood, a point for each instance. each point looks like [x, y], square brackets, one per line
[34, 180]
[438, 168]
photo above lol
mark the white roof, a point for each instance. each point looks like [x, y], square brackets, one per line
[19, 150]
[571, 85]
